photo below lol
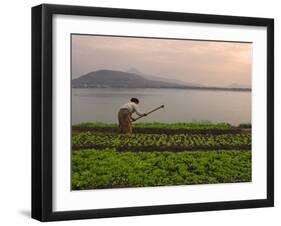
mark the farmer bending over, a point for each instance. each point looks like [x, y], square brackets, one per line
[125, 115]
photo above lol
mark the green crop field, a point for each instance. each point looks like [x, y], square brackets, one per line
[180, 153]
[159, 125]
[160, 141]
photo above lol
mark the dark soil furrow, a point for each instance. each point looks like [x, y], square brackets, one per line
[166, 148]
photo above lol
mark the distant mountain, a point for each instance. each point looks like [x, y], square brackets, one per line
[131, 79]
[135, 71]
[119, 79]
[153, 77]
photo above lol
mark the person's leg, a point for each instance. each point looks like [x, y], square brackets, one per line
[129, 123]
[124, 119]
[121, 121]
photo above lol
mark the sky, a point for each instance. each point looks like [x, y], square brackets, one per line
[192, 61]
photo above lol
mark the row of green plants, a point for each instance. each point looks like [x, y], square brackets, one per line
[87, 139]
[158, 125]
[108, 168]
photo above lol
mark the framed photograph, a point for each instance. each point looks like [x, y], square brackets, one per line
[145, 112]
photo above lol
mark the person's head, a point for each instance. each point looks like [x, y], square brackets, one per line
[135, 100]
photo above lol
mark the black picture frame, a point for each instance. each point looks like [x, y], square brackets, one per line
[42, 106]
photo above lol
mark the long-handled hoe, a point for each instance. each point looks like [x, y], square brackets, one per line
[135, 119]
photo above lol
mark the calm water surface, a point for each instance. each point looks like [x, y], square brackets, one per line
[102, 105]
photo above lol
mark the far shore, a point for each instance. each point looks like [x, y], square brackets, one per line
[183, 87]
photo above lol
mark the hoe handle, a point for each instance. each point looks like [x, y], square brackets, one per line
[162, 106]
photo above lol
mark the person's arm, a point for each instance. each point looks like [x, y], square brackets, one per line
[133, 119]
[137, 110]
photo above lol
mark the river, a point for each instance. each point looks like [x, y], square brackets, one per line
[181, 105]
